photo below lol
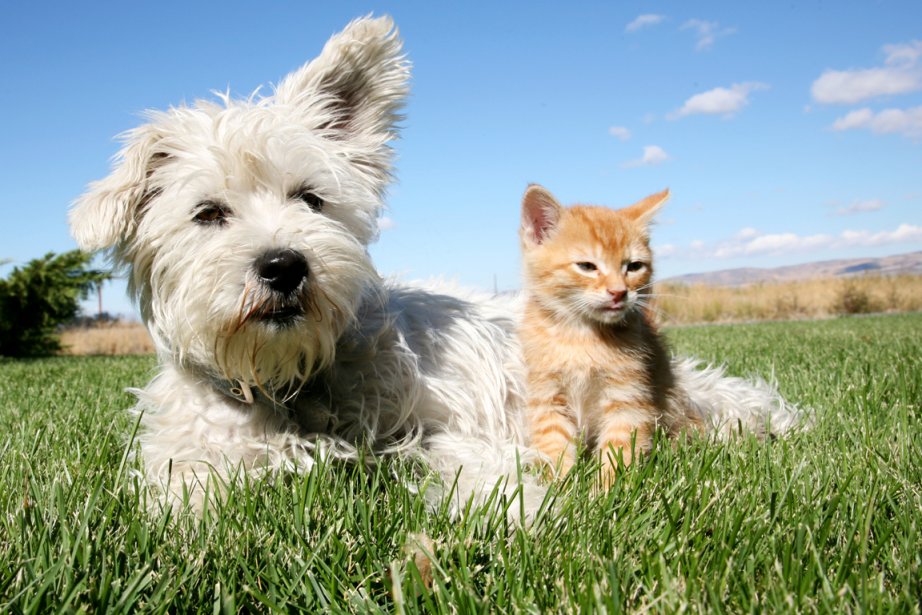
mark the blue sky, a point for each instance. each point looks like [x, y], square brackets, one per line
[787, 132]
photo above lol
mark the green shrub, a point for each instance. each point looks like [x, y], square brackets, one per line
[37, 298]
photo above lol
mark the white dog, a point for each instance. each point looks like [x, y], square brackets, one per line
[244, 228]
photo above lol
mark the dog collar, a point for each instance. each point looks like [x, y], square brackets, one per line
[236, 390]
[243, 393]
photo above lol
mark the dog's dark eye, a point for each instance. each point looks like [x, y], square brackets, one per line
[310, 199]
[586, 266]
[635, 266]
[212, 213]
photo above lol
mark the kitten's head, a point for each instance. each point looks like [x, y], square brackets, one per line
[590, 264]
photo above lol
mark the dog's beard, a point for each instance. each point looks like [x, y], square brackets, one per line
[255, 338]
[275, 342]
[273, 309]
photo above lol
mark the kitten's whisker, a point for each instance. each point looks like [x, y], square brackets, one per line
[664, 295]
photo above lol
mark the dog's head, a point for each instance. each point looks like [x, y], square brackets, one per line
[244, 225]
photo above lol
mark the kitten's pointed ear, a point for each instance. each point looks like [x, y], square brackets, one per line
[540, 215]
[108, 212]
[354, 89]
[643, 210]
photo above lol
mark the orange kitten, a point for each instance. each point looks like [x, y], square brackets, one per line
[597, 368]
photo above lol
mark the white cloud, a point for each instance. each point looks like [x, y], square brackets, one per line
[665, 251]
[620, 132]
[706, 32]
[860, 207]
[784, 242]
[905, 122]
[900, 76]
[749, 243]
[747, 233]
[652, 155]
[644, 21]
[847, 87]
[906, 54]
[853, 119]
[904, 233]
[385, 223]
[719, 101]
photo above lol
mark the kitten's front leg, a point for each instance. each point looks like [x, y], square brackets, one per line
[625, 431]
[552, 423]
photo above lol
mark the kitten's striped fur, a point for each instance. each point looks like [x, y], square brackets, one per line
[597, 368]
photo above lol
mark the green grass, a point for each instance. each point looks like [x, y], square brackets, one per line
[828, 520]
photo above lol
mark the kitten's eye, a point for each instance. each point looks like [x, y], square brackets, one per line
[309, 198]
[211, 213]
[586, 266]
[635, 266]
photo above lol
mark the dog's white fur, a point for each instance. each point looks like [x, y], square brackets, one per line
[363, 361]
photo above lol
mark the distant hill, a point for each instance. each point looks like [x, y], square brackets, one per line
[910, 263]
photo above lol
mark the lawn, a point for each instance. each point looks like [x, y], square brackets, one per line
[827, 520]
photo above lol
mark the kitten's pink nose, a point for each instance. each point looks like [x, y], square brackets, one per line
[617, 295]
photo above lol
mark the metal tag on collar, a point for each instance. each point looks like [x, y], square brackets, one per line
[242, 392]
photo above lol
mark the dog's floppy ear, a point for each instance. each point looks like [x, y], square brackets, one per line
[108, 212]
[355, 88]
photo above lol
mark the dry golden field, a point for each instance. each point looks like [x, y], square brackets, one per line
[114, 338]
[795, 300]
[675, 304]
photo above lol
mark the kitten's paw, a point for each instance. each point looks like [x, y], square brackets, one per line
[558, 470]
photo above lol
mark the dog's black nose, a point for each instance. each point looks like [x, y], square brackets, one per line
[282, 270]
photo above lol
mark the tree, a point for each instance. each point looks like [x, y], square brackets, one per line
[37, 298]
